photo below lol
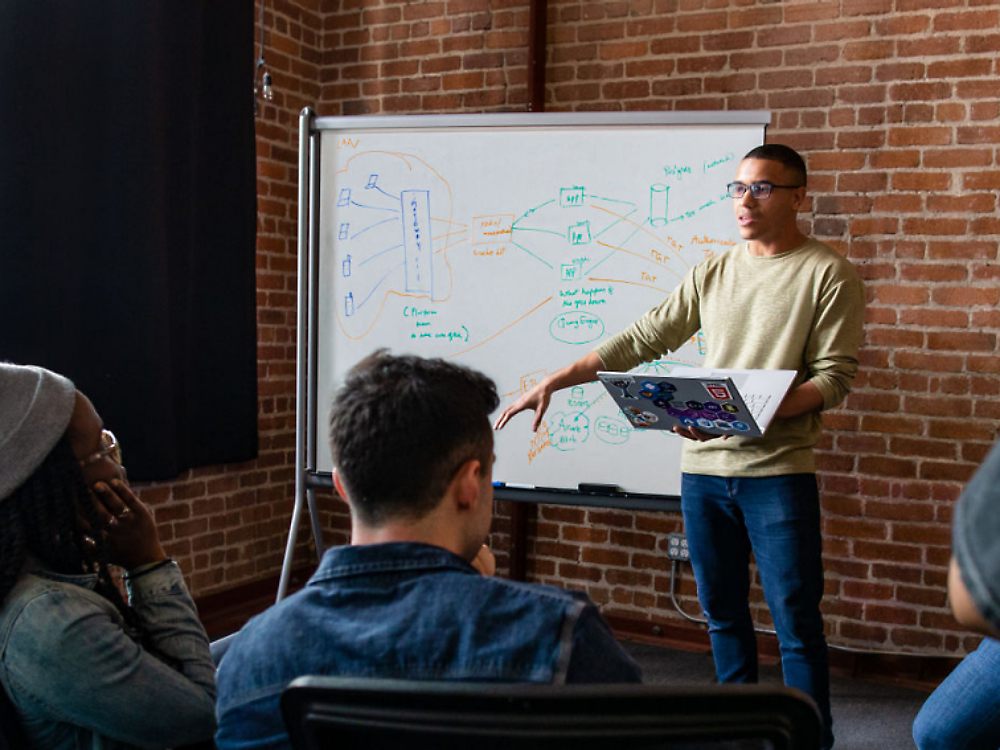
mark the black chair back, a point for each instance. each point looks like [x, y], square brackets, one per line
[11, 735]
[347, 713]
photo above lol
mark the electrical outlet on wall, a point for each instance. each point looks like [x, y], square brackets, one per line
[677, 547]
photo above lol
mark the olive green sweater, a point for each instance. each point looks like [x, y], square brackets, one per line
[802, 310]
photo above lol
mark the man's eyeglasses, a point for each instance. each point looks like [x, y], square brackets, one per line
[758, 190]
[109, 448]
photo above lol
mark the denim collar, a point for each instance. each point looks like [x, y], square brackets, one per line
[84, 580]
[363, 559]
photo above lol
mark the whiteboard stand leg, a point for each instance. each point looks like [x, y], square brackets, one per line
[286, 566]
[316, 527]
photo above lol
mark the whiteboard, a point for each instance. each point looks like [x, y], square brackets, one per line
[515, 244]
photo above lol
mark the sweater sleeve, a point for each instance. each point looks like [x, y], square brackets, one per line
[663, 329]
[831, 354]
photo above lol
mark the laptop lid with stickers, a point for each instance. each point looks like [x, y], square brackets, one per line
[716, 401]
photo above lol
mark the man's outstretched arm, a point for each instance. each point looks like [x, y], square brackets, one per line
[584, 370]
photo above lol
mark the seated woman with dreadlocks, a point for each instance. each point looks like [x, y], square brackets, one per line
[82, 668]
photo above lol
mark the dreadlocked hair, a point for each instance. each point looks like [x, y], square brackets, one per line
[39, 519]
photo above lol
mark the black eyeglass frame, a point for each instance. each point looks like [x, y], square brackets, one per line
[759, 190]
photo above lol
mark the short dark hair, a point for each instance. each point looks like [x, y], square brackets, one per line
[401, 426]
[784, 155]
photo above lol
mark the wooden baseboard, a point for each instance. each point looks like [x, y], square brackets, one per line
[915, 671]
[665, 634]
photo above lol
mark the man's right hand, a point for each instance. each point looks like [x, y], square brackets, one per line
[537, 398]
[584, 370]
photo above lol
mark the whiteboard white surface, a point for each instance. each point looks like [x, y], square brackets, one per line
[515, 249]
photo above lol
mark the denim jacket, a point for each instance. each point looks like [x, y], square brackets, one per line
[79, 681]
[408, 611]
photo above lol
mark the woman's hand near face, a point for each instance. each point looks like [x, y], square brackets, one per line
[129, 530]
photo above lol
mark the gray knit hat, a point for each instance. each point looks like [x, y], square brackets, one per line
[35, 408]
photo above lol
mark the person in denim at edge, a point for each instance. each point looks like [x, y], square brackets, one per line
[83, 669]
[780, 301]
[963, 713]
[408, 599]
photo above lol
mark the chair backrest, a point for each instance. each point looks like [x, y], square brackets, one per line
[11, 735]
[346, 713]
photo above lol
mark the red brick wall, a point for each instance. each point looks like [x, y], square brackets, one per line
[407, 57]
[894, 103]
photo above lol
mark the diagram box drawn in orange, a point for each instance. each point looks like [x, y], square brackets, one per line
[492, 229]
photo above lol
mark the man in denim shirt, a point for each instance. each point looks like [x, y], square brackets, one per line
[413, 457]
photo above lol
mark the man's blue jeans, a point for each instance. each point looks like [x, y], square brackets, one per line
[778, 518]
[963, 713]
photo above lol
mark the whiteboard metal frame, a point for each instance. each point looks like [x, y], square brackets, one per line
[307, 478]
[540, 119]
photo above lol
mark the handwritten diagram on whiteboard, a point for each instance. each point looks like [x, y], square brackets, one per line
[516, 250]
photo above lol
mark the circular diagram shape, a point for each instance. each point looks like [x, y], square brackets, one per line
[576, 327]
[567, 431]
[611, 430]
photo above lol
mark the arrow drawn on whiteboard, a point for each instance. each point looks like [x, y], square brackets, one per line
[569, 223]
[372, 226]
[390, 195]
[447, 235]
[668, 242]
[360, 304]
[390, 209]
[630, 283]
[659, 262]
[378, 255]
[507, 327]
[522, 247]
